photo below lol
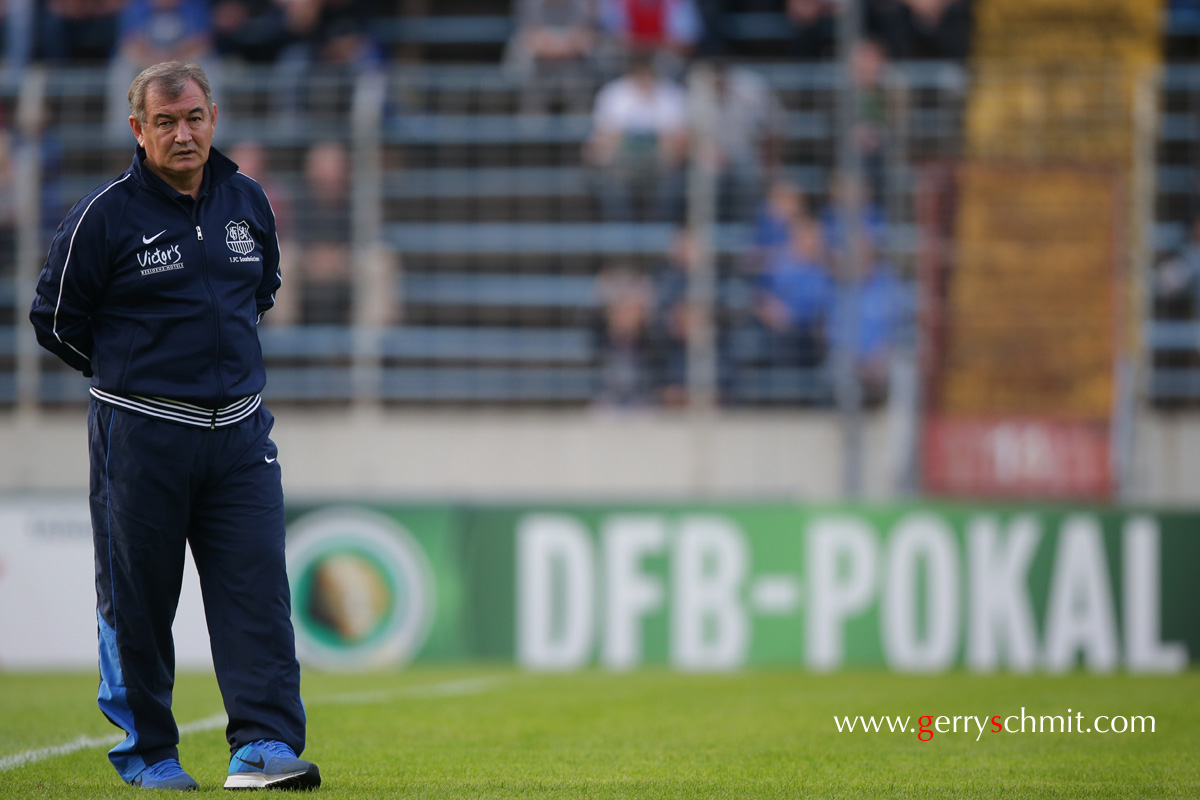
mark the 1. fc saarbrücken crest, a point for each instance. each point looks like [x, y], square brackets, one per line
[237, 236]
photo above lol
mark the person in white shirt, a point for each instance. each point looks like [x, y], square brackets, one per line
[639, 144]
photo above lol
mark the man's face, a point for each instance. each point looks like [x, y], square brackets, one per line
[644, 77]
[176, 135]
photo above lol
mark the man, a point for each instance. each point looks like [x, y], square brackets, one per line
[796, 297]
[872, 319]
[639, 143]
[553, 53]
[747, 139]
[323, 227]
[153, 287]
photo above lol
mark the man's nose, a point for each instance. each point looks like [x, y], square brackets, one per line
[183, 133]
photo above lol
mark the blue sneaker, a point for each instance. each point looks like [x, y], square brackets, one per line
[166, 774]
[268, 764]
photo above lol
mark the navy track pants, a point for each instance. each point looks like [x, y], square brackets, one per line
[157, 487]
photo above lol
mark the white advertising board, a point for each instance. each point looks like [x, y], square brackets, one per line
[48, 589]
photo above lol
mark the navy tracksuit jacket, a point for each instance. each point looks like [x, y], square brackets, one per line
[156, 297]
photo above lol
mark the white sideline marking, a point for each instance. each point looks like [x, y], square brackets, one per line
[213, 723]
[33, 756]
[457, 688]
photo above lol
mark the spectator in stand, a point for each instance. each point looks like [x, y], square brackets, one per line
[626, 299]
[342, 35]
[925, 29]
[871, 218]
[1179, 275]
[639, 143]
[274, 33]
[77, 30]
[750, 124]
[671, 326]
[868, 65]
[257, 31]
[154, 31]
[796, 296]
[8, 218]
[323, 232]
[160, 30]
[668, 28]
[1185, 13]
[784, 204]
[552, 53]
[252, 160]
[1176, 288]
[332, 36]
[714, 28]
[871, 318]
[814, 29]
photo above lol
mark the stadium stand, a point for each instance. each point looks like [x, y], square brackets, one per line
[491, 217]
[1172, 334]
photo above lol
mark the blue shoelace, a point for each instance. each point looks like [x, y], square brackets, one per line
[168, 768]
[274, 748]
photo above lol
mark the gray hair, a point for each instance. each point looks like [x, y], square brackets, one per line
[171, 78]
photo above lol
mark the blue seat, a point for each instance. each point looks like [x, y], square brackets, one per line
[457, 29]
[480, 129]
[559, 345]
[301, 341]
[549, 291]
[1173, 335]
[437, 384]
[1167, 383]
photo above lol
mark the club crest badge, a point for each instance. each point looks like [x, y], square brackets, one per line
[237, 236]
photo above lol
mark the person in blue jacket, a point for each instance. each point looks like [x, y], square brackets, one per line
[153, 287]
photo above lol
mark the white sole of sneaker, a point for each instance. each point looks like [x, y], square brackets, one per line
[305, 779]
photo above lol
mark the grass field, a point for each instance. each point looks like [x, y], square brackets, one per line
[466, 733]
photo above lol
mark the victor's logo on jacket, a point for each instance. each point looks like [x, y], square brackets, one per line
[237, 236]
[160, 259]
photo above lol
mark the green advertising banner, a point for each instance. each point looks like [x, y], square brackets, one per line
[915, 588]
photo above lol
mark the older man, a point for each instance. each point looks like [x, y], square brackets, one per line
[153, 288]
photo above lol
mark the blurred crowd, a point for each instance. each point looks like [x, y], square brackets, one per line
[565, 33]
[788, 294]
[573, 32]
[795, 296]
[789, 299]
[144, 32]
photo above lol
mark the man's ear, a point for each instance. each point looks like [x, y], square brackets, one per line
[135, 125]
[214, 114]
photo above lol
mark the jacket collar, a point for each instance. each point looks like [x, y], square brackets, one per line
[217, 170]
